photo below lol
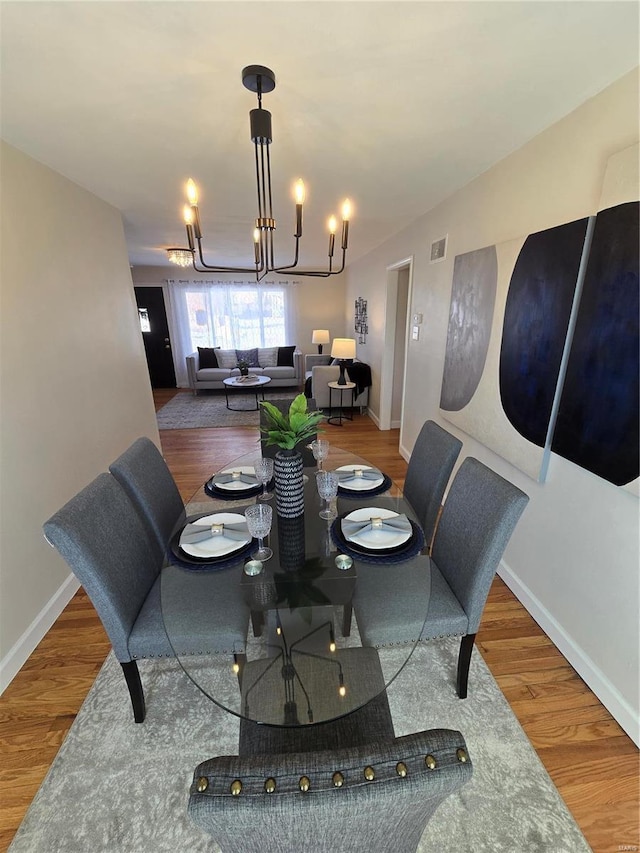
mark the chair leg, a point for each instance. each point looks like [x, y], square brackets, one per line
[464, 659]
[132, 677]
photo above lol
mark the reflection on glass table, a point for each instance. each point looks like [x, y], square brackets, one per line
[303, 661]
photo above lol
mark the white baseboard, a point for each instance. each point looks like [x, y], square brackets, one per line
[396, 424]
[606, 692]
[17, 656]
[374, 418]
[406, 454]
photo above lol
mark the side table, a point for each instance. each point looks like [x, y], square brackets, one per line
[334, 386]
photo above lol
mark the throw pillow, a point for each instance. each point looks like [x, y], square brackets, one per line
[227, 358]
[207, 356]
[268, 356]
[248, 355]
[285, 356]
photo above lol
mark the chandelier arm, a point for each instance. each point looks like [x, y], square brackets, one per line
[216, 268]
[316, 273]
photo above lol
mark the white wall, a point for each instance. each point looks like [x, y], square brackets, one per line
[573, 559]
[317, 303]
[74, 391]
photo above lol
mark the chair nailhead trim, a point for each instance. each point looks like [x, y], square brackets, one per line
[202, 784]
[270, 785]
[461, 755]
[236, 787]
[401, 769]
[430, 761]
[304, 783]
[369, 773]
[337, 779]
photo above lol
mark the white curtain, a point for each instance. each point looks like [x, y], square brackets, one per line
[231, 315]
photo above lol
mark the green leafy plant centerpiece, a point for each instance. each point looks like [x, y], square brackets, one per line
[287, 431]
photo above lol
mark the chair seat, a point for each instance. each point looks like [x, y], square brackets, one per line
[445, 615]
[189, 620]
[370, 724]
[424, 591]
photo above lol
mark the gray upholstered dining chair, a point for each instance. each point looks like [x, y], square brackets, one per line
[378, 796]
[479, 516]
[145, 477]
[432, 459]
[108, 548]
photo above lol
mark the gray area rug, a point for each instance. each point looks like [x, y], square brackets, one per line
[209, 409]
[118, 787]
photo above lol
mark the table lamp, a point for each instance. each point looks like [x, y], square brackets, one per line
[320, 336]
[343, 349]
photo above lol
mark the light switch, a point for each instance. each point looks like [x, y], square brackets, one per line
[415, 334]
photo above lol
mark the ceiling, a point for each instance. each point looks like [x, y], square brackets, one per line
[395, 104]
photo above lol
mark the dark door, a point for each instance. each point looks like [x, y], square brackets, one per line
[155, 334]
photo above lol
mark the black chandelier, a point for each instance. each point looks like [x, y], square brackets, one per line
[260, 80]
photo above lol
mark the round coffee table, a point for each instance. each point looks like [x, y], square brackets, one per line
[254, 385]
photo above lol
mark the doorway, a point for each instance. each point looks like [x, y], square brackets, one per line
[155, 334]
[392, 384]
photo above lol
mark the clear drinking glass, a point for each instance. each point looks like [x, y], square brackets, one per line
[327, 482]
[259, 517]
[320, 450]
[263, 466]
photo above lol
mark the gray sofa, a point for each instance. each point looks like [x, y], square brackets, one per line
[284, 376]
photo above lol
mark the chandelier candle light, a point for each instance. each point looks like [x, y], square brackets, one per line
[259, 79]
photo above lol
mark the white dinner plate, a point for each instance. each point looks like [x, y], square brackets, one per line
[358, 484]
[376, 538]
[217, 546]
[236, 485]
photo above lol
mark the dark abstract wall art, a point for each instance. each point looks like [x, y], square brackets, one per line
[471, 309]
[534, 331]
[598, 418]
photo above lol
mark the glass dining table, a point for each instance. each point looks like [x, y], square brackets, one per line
[303, 660]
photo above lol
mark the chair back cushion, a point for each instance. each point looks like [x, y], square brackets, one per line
[145, 477]
[374, 797]
[479, 516]
[432, 459]
[106, 546]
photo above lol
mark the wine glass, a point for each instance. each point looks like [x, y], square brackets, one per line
[327, 482]
[263, 466]
[320, 450]
[259, 517]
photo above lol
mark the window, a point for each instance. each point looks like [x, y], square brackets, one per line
[236, 317]
[233, 315]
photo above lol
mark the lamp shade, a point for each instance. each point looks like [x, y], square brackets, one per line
[343, 348]
[320, 336]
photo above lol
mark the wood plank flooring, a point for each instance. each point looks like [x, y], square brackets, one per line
[589, 757]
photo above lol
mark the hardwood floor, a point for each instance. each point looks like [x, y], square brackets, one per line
[589, 757]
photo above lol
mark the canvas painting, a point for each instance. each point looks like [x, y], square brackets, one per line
[598, 424]
[508, 321]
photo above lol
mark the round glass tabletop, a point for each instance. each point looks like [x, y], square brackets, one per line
[276, 641]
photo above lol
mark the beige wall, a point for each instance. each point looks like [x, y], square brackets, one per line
[74, 385]
[574, 557]
[318, 303]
